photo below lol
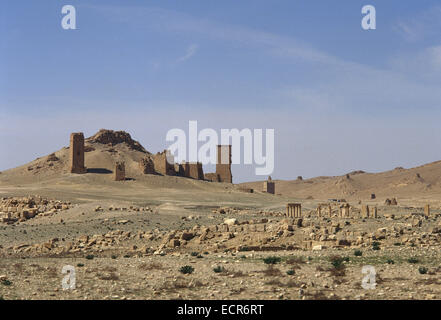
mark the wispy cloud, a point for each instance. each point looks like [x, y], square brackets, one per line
[191, 51]
[424, 24]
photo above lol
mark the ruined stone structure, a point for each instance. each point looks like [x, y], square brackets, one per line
[194, 170]
[427, 210]
[269, 186]
[374, 213]
[319, 211]
[294, 210]
[164, 163]
[77, 153]
[365, 211]
[345, 210]
[223, 166]
[120, 171]
[179, 169]
[214, 177]
[146, 165]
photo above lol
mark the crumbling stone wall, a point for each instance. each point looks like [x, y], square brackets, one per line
[223, 166]
[214, 177]
[164, 164]
[120, 171]
[77, 153]
[194, 170]
[179, 169]
[146, 165]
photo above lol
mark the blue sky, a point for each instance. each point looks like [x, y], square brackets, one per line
[339, 98]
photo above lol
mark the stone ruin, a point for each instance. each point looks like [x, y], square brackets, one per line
[120, 171]
[391, 202]
[213, 177]
[223, 165]
[427, 210]
[345, 210]
[15, 209]
[77, 153]
[160, 163]
[147, 166]
[269, 186]
[294, 210]
[193, 170]
[163, 163]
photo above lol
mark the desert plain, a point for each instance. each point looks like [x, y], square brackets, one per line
[159, 236]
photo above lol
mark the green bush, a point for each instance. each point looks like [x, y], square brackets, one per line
[358, 253]
[290, 272]
[422, 270]
[194, 254]
[80, 265]
[90, 257]
[271, 260]
[337, 262]
[390, 261]
[218, 269]
[6, 282]
[186, 269]
[114, 256]
[413, 260]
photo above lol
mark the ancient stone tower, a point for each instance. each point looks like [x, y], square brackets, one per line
[269, 186]
[164, 163]
[77, 153]
[223, 165]
[120, 171]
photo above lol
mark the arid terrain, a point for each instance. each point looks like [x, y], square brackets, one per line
[158, 236]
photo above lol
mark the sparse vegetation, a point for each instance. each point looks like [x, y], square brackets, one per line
[413, 260]
[186, 269]
[422, 270]
[358, 253]
[272, 260]
[6, 282]
[390, 261]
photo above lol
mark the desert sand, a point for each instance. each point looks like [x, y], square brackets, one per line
[131, 239]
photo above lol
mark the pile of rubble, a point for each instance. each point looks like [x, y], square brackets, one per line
[15, 209]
